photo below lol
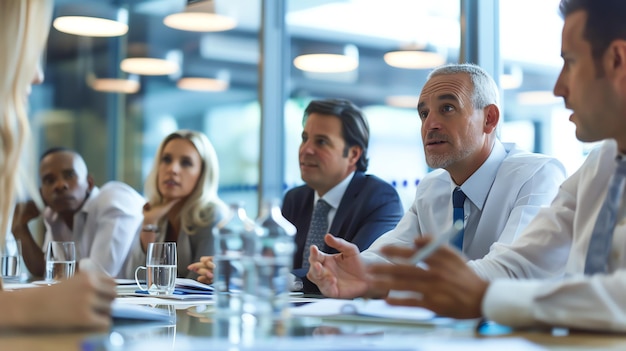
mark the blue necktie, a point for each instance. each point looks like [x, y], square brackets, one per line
[317, 229]
[458, 199]
[600, 243]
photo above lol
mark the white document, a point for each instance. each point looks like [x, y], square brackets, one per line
[139, 312]
[359, 307]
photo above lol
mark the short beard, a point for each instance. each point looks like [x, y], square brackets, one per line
[447, 159]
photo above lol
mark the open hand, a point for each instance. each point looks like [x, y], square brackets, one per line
[341, 275]
[447, 286]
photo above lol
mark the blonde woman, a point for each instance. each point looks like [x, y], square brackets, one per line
[183, 205]
[85, 300]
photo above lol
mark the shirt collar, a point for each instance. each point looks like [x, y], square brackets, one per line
[477, 186]
[334, 195]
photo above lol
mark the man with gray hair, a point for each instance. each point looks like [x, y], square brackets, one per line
[494, 188]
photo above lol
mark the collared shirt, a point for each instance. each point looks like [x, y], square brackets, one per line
[503, 196]
[104, 227]
[554, 246]
[333, 197]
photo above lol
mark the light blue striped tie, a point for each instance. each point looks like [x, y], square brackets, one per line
[317, 229]
[599, 249]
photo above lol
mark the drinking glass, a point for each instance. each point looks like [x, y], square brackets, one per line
[60, 261]
[11, 260]
[161, 267]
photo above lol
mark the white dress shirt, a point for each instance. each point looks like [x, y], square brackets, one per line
[333, 197]
[104, 227]
[503, 196]
[554, 246]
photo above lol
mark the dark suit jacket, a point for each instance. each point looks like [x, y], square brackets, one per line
[369, 208]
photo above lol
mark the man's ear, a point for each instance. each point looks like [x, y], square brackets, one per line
[615, 61]
[90, 182]
[354, 153]
[492, 117]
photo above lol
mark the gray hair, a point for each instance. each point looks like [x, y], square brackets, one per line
[486, 90]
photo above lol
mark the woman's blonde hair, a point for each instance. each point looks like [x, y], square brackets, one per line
[203, 204]
[24, 29]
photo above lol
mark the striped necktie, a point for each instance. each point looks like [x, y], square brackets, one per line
[600, 243]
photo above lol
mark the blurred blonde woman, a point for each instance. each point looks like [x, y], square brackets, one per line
[183, 205]
[83, 301]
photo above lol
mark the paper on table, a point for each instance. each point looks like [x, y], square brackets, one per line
[138, 312]
[178, 295]
[192, 284]
[359, 307]
[186, 289]
[348, 343]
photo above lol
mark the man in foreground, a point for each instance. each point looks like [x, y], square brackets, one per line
[581, 238]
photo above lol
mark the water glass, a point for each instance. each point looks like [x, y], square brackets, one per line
[11, 260]
[161, 267]
[60, 260]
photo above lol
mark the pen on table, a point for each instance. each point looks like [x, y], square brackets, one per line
[432, 246]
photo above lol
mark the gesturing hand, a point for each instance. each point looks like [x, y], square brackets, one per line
[447, 286]
[339, 275]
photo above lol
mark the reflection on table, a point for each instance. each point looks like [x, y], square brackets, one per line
[195, 329]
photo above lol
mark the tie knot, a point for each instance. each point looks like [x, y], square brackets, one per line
[322, 207]
[458, 198]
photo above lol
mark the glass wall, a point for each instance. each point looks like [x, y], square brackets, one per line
[118, 133]
[387, 94]
[532, 61]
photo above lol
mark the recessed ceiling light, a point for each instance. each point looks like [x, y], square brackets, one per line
[115, 85]
[149, 66]
[402, 101]
[199, 22]
[332, 60]
[202, 84]
[96, 20]
[413, 59]
[539, 97]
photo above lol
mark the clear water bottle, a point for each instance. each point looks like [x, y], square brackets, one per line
[273, 262]
[235, 240]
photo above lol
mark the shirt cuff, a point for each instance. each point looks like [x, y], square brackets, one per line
[510, 302]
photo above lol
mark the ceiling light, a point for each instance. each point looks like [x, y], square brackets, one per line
[150, 66]
[130, 85]
[346, 59]
[414, 57]
[95, 20]
[402, 101]
[199, 22]
[115, 85]
[200, 16]
[202, 84]
[220, 82]
[539, 97]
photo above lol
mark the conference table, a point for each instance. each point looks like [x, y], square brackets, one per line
[193, 327]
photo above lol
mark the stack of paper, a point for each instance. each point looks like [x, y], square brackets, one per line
[186, 289]
[362, 308]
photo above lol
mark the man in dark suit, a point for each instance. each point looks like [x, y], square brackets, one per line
[333, 161]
